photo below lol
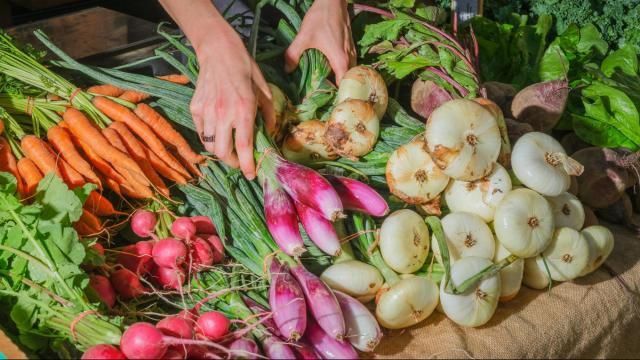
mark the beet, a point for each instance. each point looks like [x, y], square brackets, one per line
[541, 105]
[427, 96]
[572, 143]
[603, 181]
[500, 93]
[620, 212]
[590, 217]
[516, 129]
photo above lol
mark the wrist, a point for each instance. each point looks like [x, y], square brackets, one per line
[212, 36]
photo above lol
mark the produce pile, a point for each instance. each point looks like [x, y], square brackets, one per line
[435, 177]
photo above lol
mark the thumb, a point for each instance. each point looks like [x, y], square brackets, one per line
[292, 55]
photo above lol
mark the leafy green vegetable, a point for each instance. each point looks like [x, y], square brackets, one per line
[43, 252]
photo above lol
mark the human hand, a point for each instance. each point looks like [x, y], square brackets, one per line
[325, 27]
[229, 90]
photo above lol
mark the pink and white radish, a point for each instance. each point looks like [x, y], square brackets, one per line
[363, 331]
[320, 230]
[326, 345]
[282, 219]
[275, 348]
[358, 196]
[287, 303]
[244, 348]
[321, 301]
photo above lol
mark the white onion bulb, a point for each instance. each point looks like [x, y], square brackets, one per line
[539, 162]
[567, 255]
[535, 274]
[413, 176]
[463, 139]
[305, 143]
[466, 235]
[407, 302]
[478, 304]
[364, 83]
[600, 240]
[524, 223]
[481, 196]
[510, 276]
[353, 129]
[404, 241]
[567, 210]
[363, 287]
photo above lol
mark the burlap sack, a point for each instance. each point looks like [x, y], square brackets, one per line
[592, 317]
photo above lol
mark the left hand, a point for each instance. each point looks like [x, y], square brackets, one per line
[325, 27]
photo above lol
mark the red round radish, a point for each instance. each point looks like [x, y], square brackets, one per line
[203, 224]
[101, 285]
[202, 255]
[212, 325]
[183, 228]
[176, 326]
[143, 341]
[169, 253]
[217, 247]
[169, 278]
[98, 248]
[177, 352]
[103, 351]
[127, 284]
[189, 315]
[137, 257]
[143, 223]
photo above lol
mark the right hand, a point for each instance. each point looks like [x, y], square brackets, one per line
[229, 90]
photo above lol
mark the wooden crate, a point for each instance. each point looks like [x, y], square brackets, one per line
[42, 4]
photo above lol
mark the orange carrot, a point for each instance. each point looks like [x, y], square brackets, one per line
[1, 127]
[192, 168]
[115, 139]
[100, 205]
[105, 90]
[134, 96]
[91, 219]
[120, 113]
[72, 178]
[176, 78]
[30, 175]
[61, 140]
[111, 184]
[86, 132]
[167, 133]
[38, 151]
[8, 164]
[139, 151]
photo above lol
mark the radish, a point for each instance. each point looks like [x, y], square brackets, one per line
[183, 228]
[364, 83]
[275, 348]
[308, 187]
[463, 138]
[322, 302]
[305, 143]
[176, 326]
[541, 164]
[201, 254]
[203, 224]
[217, 248]
[287, 302]
[282, 220]
[143, 223]
[169, 253]
[327, 346]
[319, 229]
[170, 278]
[143, 341]
[358, 196]
[541, 104]
[363, 331]
[101, 285]
[98, 248]
[189, 315]
[244, 348]
[137, 257]
[175, 353]
[127, 284]
[103, 352]
[212, 325]
[353, 129]
[427, 96]
[258, 309]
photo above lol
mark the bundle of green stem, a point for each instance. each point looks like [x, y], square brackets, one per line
[17, 64]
